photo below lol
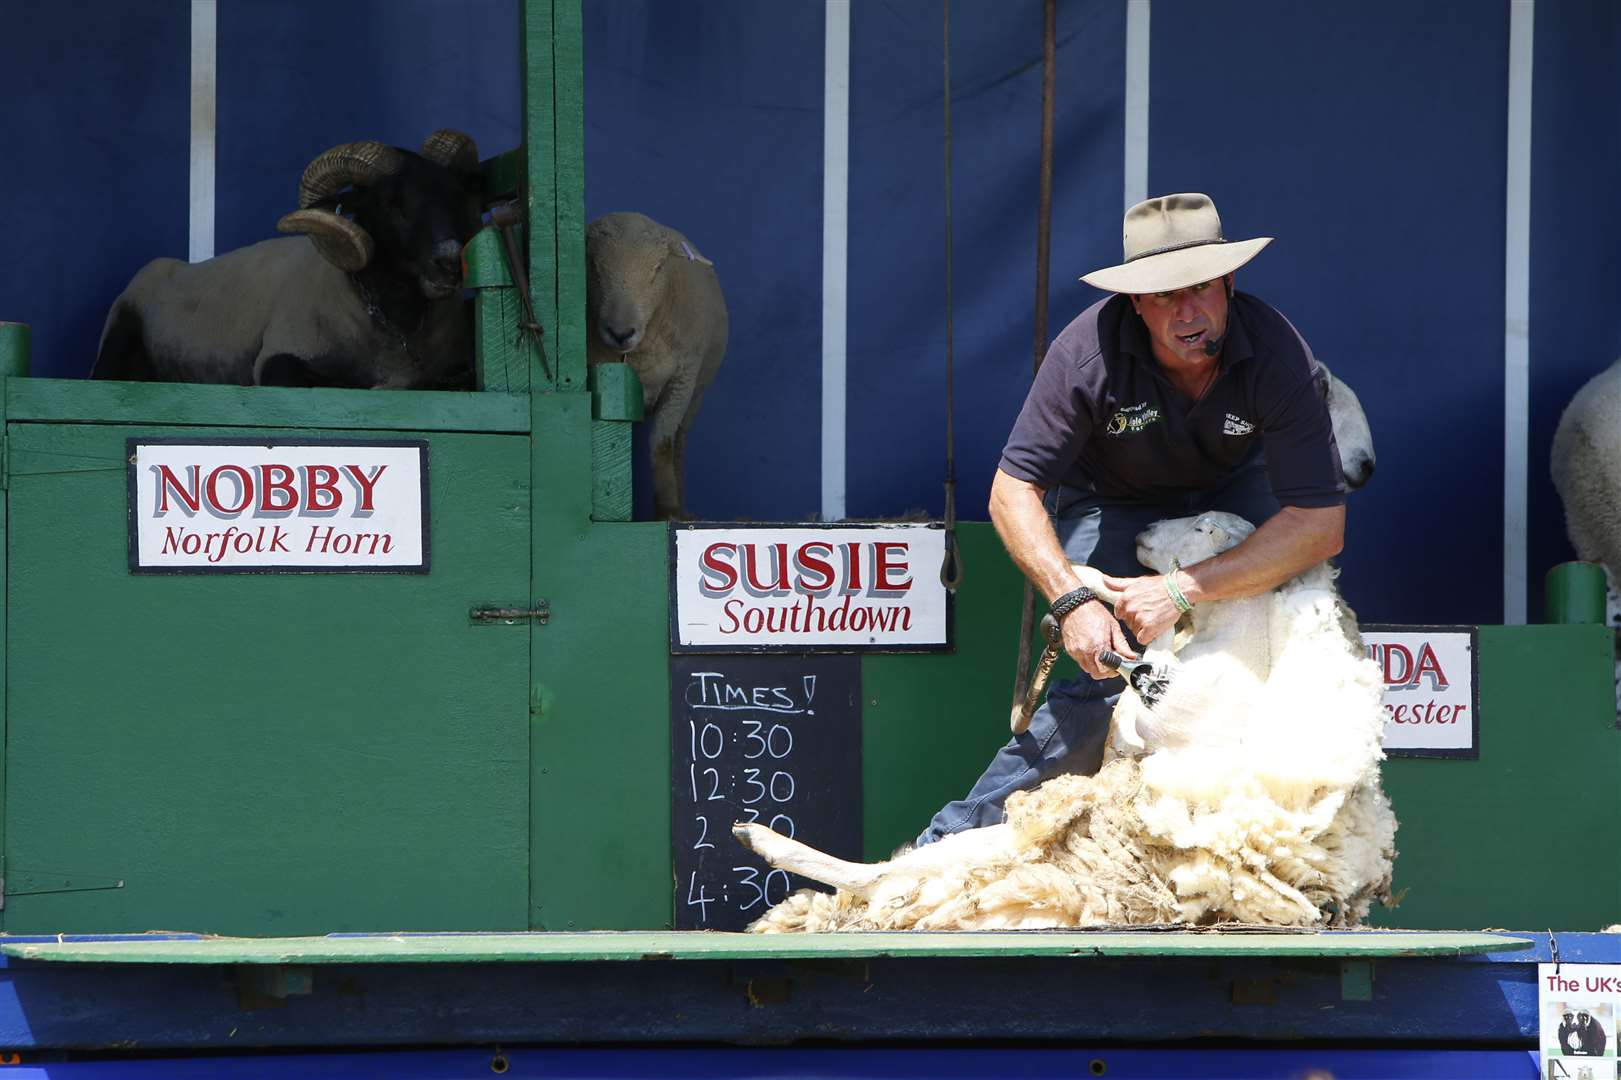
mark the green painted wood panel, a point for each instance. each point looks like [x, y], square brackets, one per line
[685, 945]
[264, 406]
[568, 148]
[600, 816]
[13, 362]
[503, 174]
[1521, 837]
[932, 722]
[264, 754]
[507, 357]
[611, 493]
[540, 152]
[507, 354]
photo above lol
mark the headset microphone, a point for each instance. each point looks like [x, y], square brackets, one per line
[1212, 346]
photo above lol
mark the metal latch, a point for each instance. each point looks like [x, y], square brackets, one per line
[541, 613]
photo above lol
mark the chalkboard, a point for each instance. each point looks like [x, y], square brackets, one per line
[774, 738]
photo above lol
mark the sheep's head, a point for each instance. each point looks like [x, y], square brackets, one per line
[1190, 540]
[408, 214]
[625, 275]
[1351, 431]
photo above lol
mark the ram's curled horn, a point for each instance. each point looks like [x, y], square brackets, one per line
[340, 241]
[451, 148]
[351, 163]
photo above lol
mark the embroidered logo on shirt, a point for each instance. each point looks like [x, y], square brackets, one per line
[1132, 419]
[1237, 425]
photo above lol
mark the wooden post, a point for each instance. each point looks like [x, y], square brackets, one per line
[505, 355]
[1574, 592]
[14, 344]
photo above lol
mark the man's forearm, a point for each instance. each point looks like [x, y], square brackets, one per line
[1293, 540]
[1027, 533]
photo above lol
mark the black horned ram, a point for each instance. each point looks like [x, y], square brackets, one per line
[368, 296]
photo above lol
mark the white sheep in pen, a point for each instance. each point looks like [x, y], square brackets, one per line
[1255, 797]
[1586, 468]
[654, 302]
[1351, 432]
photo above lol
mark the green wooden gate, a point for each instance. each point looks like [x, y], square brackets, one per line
[264, 753]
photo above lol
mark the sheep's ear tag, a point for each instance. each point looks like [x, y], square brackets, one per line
[693, 256]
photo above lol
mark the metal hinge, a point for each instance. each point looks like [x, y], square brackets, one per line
[541, 612]
[32, 882]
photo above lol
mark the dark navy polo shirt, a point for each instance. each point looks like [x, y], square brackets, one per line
[1102, 416]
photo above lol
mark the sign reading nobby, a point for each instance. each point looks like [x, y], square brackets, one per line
[315, 506]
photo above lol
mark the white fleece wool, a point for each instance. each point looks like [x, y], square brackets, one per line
[1586, 467]
[1268, 810]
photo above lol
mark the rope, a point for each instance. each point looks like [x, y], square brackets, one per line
[951, 568]
[1044, 228]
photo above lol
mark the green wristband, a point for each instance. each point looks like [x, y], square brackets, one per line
[1174, 591]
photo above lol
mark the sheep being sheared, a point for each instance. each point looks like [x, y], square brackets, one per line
[1222, 651]
[654, 302]
[1586, 470]
[1268, 809]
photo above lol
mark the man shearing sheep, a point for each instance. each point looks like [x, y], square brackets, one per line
[1174, 396]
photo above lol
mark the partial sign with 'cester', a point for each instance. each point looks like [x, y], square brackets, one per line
[307, 507]
[828, 588]
[1432, 696]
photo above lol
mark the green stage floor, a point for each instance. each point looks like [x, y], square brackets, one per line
[701, 945]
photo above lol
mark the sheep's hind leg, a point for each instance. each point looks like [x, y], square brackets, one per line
[681, 446]
[122, 354]
[786, 854]
[664, 425]
[681, 469]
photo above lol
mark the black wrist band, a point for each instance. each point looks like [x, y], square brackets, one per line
[1072, 600]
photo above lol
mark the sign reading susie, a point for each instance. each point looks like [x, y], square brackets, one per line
[833, 588]
[253, 507]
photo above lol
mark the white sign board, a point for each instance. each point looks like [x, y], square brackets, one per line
[829, 588]
[1431, 689]
[1577, 1006]
[307, 507]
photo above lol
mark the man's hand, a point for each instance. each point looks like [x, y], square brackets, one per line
[1144, 605]
[1090, 629]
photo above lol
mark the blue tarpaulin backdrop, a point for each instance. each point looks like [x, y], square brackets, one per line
[1370, 139]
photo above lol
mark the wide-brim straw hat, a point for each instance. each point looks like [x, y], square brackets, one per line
[1171, 242]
